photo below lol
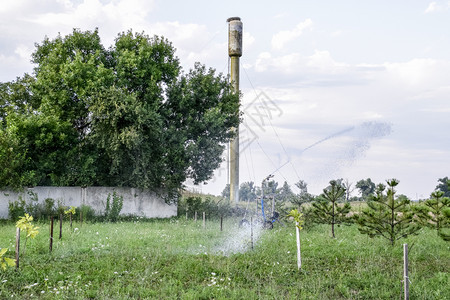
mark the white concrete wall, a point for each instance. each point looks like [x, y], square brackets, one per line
[135, 201]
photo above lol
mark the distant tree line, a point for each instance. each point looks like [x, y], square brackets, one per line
[123, 116]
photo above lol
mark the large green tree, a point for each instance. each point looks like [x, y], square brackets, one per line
[366, 188]
[444, 186]
[123, 116]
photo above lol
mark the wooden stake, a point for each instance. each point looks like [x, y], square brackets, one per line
[221, 223]
[51, 234]
[81, 217]
[60, 225]
[195, 216]
[17, 247]
[405, 271]
[70, 215]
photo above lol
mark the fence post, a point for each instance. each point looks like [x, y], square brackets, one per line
[221, 223]
[195, 216]
[405, 271]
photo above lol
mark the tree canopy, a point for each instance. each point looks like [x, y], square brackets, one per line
[124, 116]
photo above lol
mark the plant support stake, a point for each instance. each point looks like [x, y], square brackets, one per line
[51, 234]
[204, 220]
[299, 256]
[17, 247]
[60, 226]
[405, 271]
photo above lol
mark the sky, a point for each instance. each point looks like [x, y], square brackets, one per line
[331, 89]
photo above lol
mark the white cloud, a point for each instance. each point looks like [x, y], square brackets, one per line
[432, 7]
[281, 38]
[320, 62]
[437, 7]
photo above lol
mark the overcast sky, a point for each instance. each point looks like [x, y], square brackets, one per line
[332, 89]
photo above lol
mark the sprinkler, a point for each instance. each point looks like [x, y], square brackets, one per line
[266, 222]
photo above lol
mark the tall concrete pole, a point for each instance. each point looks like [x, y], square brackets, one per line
[234, 52]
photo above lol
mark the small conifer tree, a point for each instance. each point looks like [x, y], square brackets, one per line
[387, 216]
[327, 211]
[431, 212]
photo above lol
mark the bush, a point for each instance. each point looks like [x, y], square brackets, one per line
[212, 209]
[16, 209]
[113, 209]
[87, 212]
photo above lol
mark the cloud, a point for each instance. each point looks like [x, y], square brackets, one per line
[281, 38]
[434, 7]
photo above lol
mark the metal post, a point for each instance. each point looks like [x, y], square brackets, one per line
[234, 52]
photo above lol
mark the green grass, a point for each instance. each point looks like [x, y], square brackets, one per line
[179, 259]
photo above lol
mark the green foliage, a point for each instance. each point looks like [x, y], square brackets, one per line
[247, 191]
[303, 196]
[126, 116]
[326, 209]
[298, 218]
[226, 192]
[445, 230]
[87, 212]
[25, 224]
[213, 208]
[444, 186]
[70, 211]
[16, 209]
[430, 213]
[387, 216]
[5, 261]
[113, 208]
[366, 188]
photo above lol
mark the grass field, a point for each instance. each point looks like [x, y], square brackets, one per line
[179, 259]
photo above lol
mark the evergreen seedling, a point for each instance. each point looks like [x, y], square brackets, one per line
[327, 211]
[387, 216]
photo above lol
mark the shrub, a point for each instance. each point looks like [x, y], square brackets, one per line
[113, 209]
[16, 209]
